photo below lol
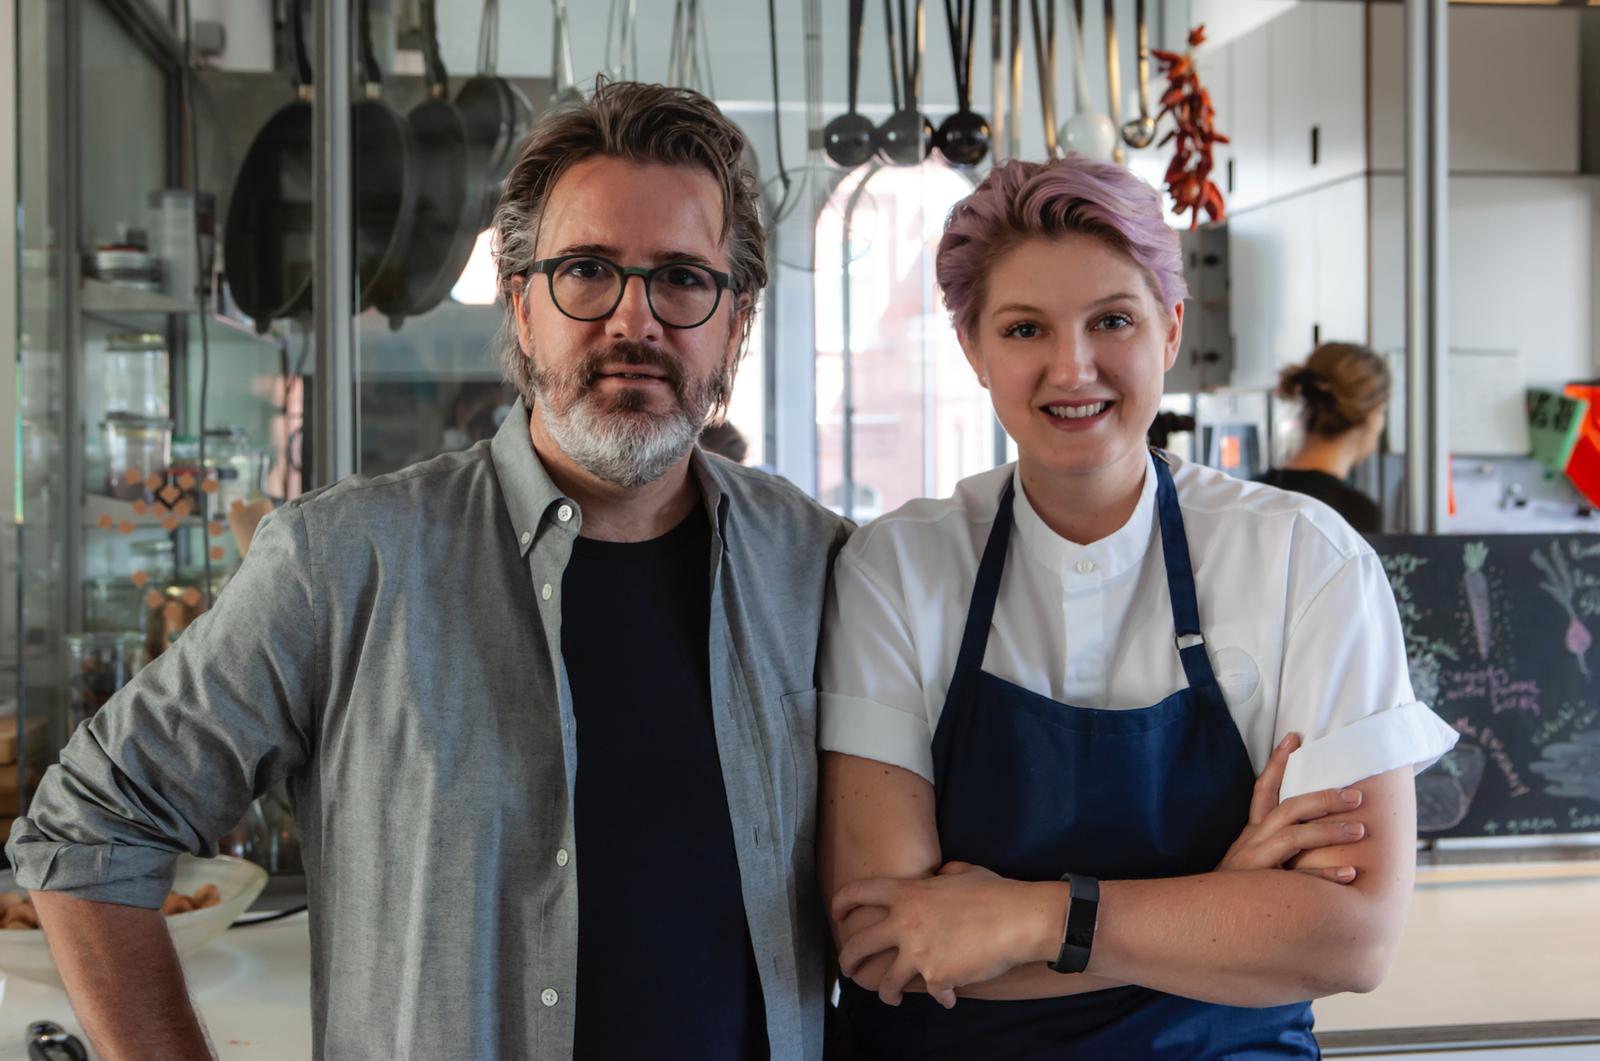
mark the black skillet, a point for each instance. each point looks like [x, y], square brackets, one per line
[385, 196]
[496, 113]
[449, 190]
[267, 253]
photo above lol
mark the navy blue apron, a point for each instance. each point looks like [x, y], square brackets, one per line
[1031, 789]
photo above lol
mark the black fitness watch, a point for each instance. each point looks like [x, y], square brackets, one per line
[1082, 914]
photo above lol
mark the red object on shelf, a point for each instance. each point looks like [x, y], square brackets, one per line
[1583, 467]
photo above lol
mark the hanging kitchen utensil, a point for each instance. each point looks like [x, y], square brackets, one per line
[562, 86]
[905, 138]
[449, 189]
[1140, 132]
[623, 62]
[812, 204]
[1014, 146]
[496, 113]
[962, 138]
[1044, 58]
[849, 138]
[997, 79]
[268, 236]
[385, 197]
[1088, 132]
[1113, 82]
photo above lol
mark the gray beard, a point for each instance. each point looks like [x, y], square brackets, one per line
[627, 447]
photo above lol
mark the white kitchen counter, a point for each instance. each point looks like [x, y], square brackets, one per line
[1500, 944]
[1492, 945]
[252, 987]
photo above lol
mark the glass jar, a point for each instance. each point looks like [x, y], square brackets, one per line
[237, 466]
[137, 447]
[98, 664]
[136, 375]
[113, 604]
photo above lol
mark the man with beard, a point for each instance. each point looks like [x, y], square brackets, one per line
[546, 706]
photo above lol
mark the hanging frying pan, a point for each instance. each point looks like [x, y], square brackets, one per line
[449, 190]
[496, 113]
[385, 195]
[962, 138]
[267, 241]
[848, 138]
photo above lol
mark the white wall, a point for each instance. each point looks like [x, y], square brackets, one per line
[1224, 19]
[1522, 270]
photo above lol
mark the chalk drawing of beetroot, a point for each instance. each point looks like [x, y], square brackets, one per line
[1562, 587]
[1477, 587]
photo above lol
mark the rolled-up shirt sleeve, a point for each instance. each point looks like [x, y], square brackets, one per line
[1346, 688]
[871, 699]
[171, 763]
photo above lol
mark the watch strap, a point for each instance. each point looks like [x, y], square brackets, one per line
[1083, 913]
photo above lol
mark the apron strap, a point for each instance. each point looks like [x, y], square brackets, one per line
[986, 590]
[1190, 642]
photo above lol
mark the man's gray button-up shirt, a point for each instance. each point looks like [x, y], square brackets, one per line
[391, 648]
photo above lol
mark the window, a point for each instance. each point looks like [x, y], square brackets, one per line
[900, 413]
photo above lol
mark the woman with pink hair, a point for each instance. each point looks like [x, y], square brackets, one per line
[1117, 750]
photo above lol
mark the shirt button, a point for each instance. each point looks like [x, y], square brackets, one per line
[526, 538]
[561, 857]
[548, 996]
[545, 591]
[564, 513]
[1084, 566]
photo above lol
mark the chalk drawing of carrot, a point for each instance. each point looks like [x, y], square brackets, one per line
[1562, 587]
[1477, 587]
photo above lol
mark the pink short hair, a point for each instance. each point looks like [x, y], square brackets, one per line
[1020, 200]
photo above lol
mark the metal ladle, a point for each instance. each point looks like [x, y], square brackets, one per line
[1140, 132]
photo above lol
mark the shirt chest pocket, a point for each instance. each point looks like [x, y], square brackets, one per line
[800, 786]
[1238, 676]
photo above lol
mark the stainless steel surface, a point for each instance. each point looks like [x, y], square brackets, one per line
[1427, 280]
[1113, 79]
[72, 317]
[1420, 1041]
[1141, 131]
[334, 405]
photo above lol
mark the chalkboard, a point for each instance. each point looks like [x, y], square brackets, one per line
[1501, 639]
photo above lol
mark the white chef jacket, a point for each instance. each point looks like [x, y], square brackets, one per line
[1299, 621]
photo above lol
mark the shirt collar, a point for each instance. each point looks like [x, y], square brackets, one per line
[531, 494]
[1085, 565]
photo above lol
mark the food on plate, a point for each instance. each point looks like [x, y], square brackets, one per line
[17, 912]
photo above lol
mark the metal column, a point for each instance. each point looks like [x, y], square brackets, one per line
[333, 257]
[1427, 279]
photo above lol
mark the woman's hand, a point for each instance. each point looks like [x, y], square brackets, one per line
[963, 926]
[1278, 832]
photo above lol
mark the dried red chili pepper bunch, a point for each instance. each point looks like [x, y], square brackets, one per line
[1189, 176]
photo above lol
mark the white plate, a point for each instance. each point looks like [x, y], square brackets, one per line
[24, 952]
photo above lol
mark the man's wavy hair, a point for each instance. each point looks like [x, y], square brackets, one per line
[640, 123]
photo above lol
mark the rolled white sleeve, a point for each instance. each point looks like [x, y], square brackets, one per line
[871, 699]
[1345, 688]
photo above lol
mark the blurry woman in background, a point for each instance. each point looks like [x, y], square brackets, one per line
[1344, 389]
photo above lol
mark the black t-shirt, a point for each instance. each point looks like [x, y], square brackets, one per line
[665, 967]
[1358, 510]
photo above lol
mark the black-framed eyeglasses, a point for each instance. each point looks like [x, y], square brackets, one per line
[587, 287]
